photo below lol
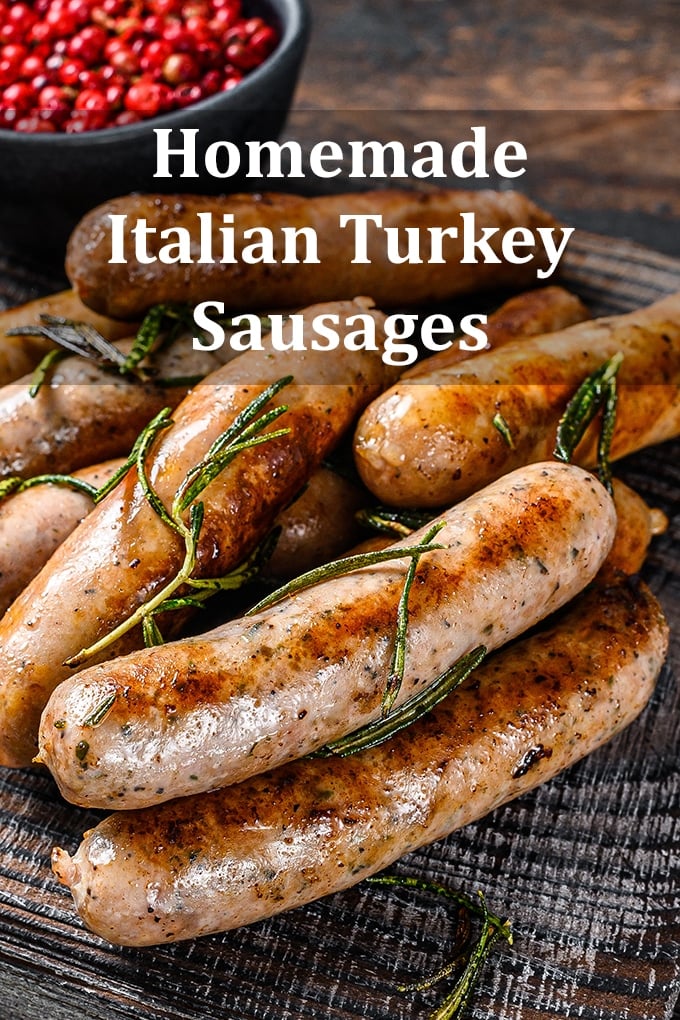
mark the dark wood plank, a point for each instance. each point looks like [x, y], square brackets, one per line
[586, 866]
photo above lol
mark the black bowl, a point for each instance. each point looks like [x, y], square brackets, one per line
[48, 181]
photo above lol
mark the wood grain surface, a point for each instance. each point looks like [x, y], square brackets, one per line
[586, 866]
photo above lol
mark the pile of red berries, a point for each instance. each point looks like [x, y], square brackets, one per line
[81, 65]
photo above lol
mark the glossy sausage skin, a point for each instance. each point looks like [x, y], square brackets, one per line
[431, 440]
[21, 354]
[636, 525]
[313, 827]
[128, 288]
[123, 553]
[319, 526]
[212, 710]
[35, 522]
[528, 314]
[85, 413]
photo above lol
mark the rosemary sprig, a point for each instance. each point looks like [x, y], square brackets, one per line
[12, 486]
[44, 369]
[380, 730]
[596, 392]
[156, 320]
[337, 568]
[492, 929]
[396, 674]
[388, 521]
[233, 441]
[78, 337]
[501, 425]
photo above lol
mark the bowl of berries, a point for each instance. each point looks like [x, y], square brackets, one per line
[86, 85]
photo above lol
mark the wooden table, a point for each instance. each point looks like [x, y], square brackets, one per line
[592, 91]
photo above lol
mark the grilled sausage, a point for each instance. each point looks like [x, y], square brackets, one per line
[432, 441]
[85, 414]
[215, 861]
[123, 553]
[212, 710]
[528, 314]
[35, 522]
[20, 354]
[125, 289]
[636, 525]
[319, 526]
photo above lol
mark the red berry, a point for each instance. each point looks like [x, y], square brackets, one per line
[20, 96]
[147, 98]
[34, 125]
[126, 117]
[155, 54]
[180, 68]
[31, 66]
[70, 71]
[185, 95]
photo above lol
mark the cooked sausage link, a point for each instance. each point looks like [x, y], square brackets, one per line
[212, 710]
[432, 440]
[123, 553]
[313, 827]
[84, 413]
[35, 522]
[528, 314]
[128, 288]
[21, 354]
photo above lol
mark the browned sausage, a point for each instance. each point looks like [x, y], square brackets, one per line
[123, 553]
[85, 414]
[636, 525]
[528, 314]
[208, 711]
[128, 288]
[432, 440]
[20, 354]
[314, 827]
[35, 522]
[318, 526]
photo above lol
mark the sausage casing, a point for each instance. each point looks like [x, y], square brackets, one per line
[431, 440]
[35, 522]
[212, 710]
[274, 842]
[128, 288]
[528, 314]
[123, 553]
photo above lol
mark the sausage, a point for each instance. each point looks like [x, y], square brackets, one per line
[20, 354]
[636, 525]
[432, 441]
[123, 553]
[85, 414]
[319, 526]
[127, 288]
[232, 857]
[35, 522]
[212, 710]
[528, 314]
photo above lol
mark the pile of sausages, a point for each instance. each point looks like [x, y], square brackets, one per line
[203, 747]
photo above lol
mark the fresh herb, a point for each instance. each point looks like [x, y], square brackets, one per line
[502, 426]
[337, 568]
[44, 370]
[242, 434]
[596, 392]
[393, 522]
[471, 956]
[99, 714]
[77, 337]
[13, 485]
[380, 730]
[156, 321]
[395, 676]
